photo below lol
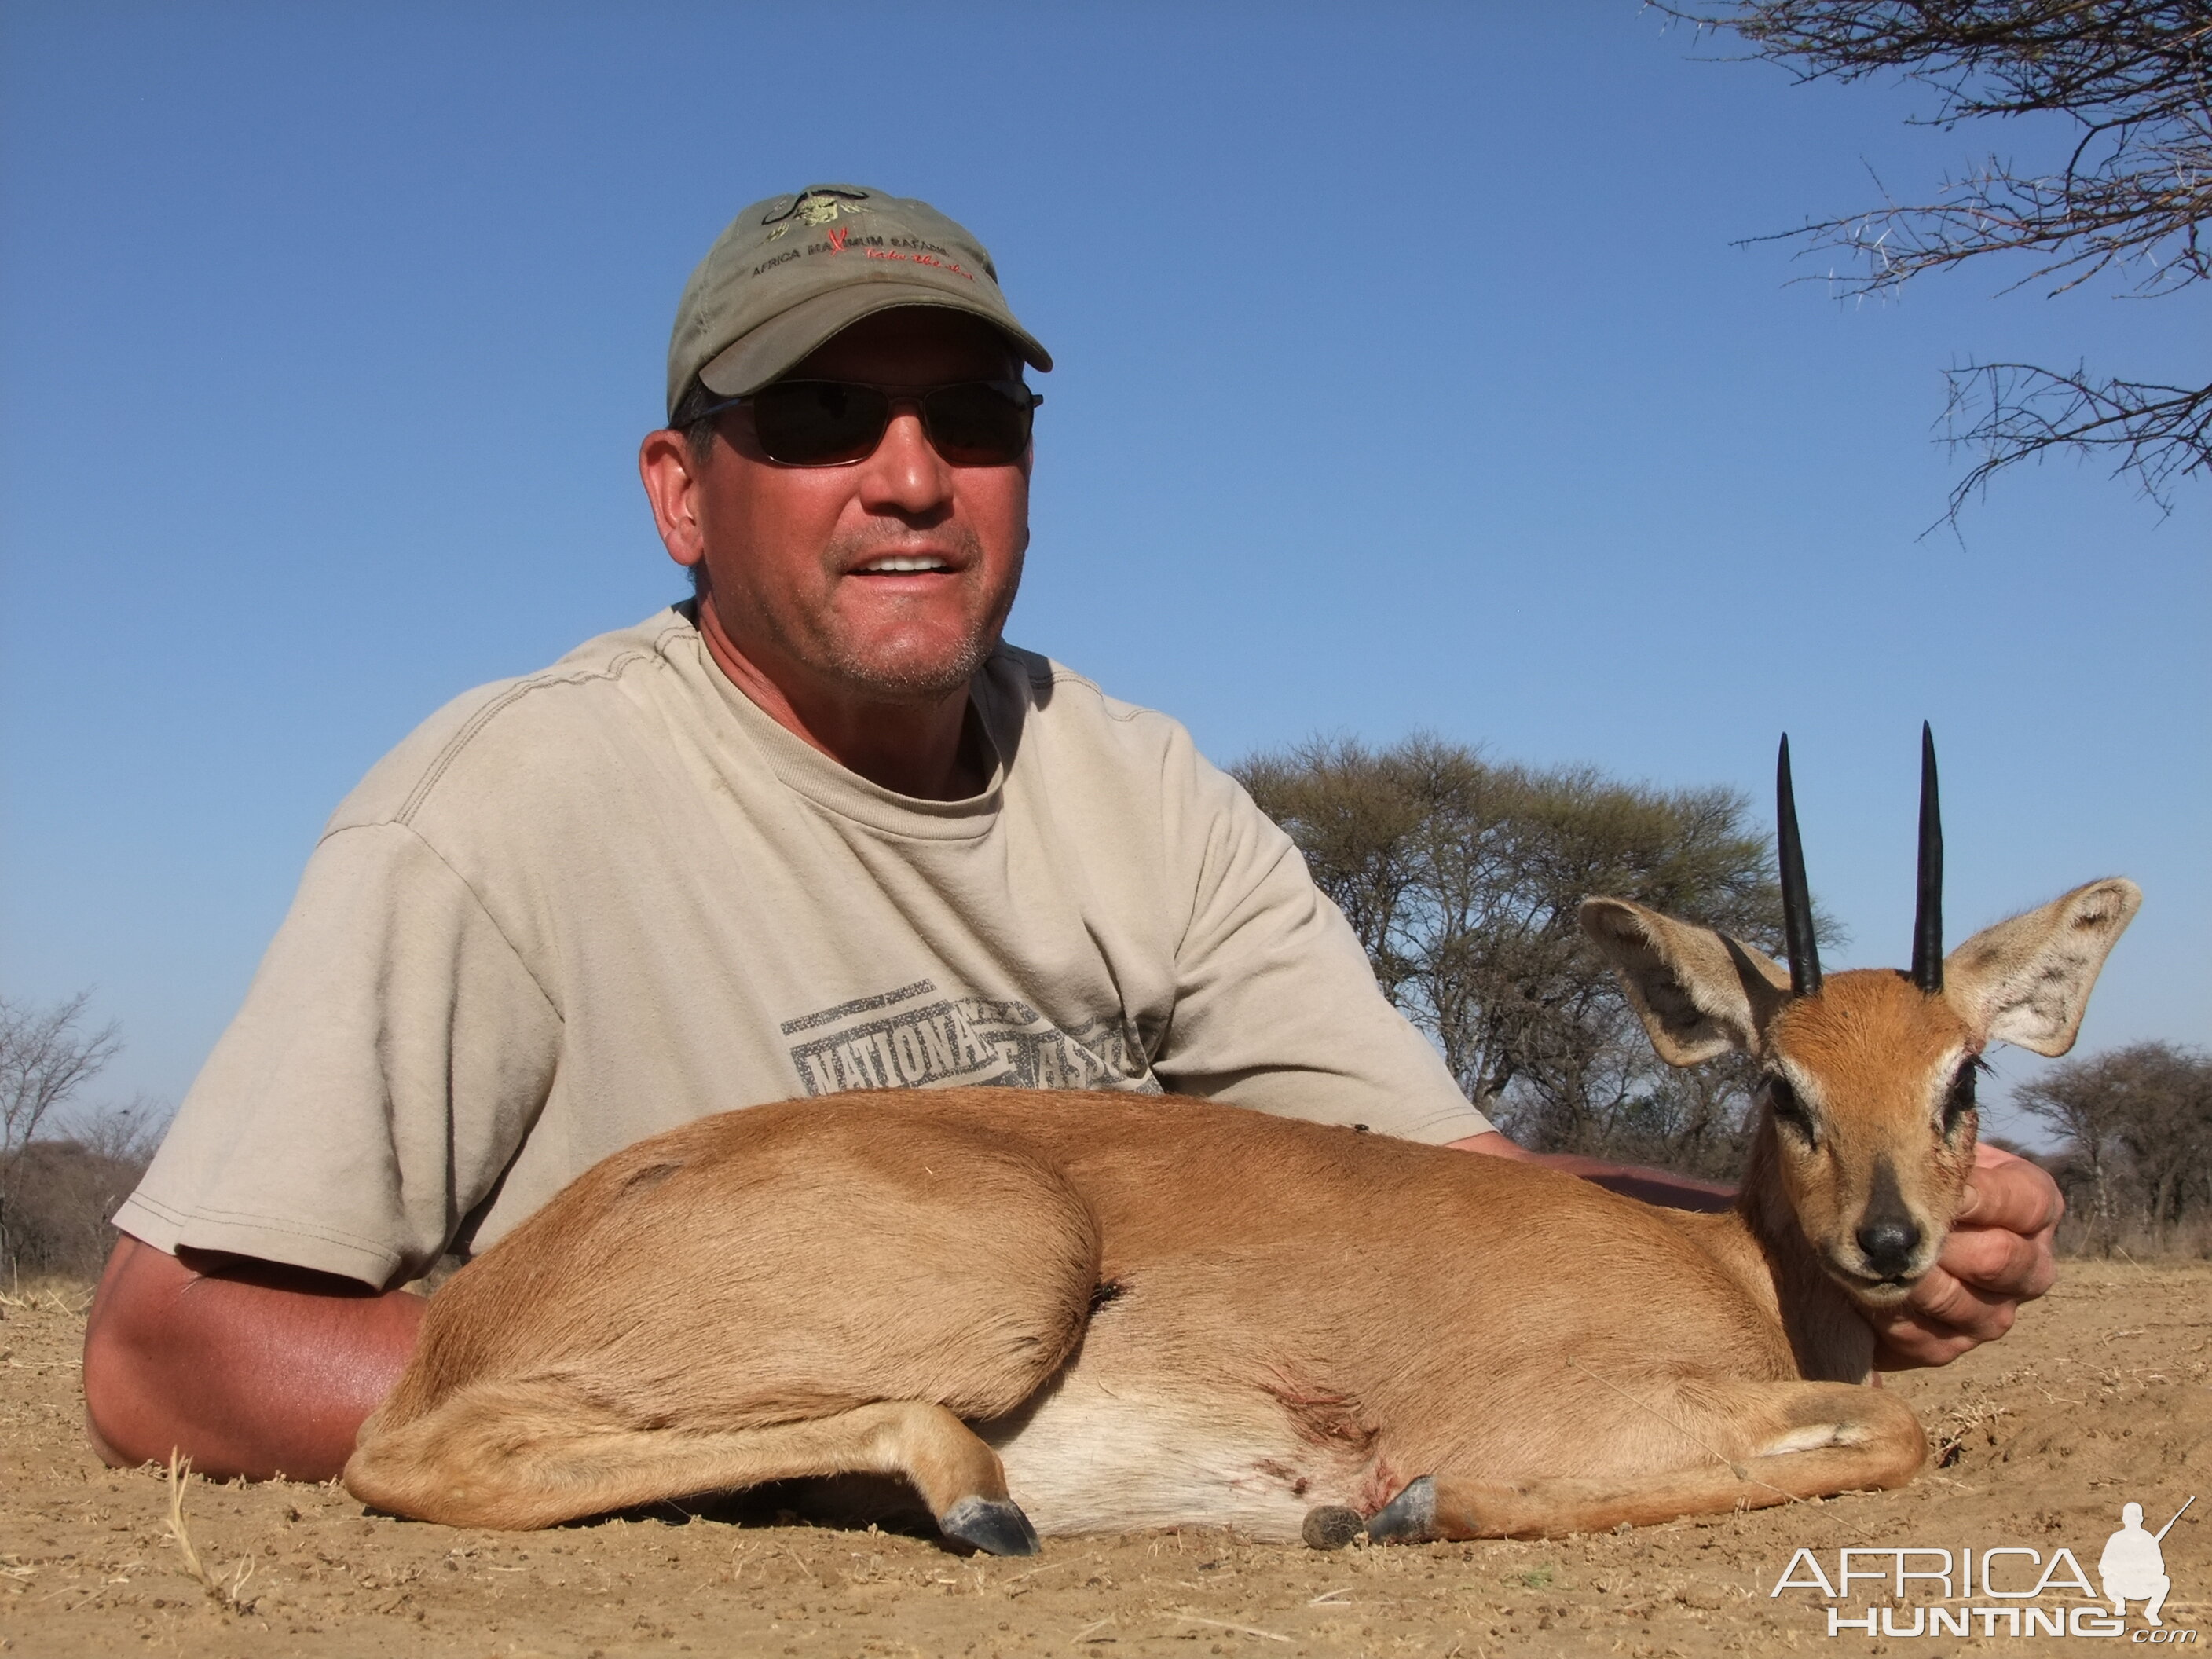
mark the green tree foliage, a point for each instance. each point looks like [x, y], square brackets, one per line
[1462, 878]
[2136, 1139]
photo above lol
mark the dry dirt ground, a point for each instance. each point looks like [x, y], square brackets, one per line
[2103, 1394]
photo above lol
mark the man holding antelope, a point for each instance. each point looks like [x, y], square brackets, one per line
[817, 829]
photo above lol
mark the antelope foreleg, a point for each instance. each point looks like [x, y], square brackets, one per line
[1820, 1439]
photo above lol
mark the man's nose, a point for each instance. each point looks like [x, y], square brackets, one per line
[906, 474]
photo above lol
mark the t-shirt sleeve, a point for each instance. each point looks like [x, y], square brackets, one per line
[1276, 1005]
[391, 1053]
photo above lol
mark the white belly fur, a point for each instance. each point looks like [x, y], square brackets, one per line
[1088, 1460]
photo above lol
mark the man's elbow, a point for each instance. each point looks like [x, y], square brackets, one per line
[104, 1413]
[122, 1413]
[248, 1368]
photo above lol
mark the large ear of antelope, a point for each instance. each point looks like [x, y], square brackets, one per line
[1068, 1313]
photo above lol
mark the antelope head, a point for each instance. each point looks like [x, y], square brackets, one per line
[1868, 1075]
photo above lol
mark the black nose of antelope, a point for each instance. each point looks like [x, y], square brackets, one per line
[1887, 1235]
[1889, 1244]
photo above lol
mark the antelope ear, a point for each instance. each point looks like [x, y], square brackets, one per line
[2028, 981]
[1699, 992]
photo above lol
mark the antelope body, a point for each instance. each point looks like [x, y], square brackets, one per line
[1073, 1312]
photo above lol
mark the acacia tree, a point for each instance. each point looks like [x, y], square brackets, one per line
[47, 1054]
[1463, 879]
[2137, 1128]
[2132, 196]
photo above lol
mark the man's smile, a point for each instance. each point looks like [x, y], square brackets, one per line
[904, 564]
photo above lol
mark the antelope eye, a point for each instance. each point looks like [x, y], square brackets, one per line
[1959, 1100]
[1782, 1100]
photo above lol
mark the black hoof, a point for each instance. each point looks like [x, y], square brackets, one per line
[992, 1525]
[1409, 1517]
[1331, 1527]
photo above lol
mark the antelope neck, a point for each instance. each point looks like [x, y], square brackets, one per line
[1829, 1336]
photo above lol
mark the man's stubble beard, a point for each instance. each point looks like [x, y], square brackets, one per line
[831, 649]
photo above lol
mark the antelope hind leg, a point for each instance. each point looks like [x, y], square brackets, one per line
[1788, 1441]
[524, 1454]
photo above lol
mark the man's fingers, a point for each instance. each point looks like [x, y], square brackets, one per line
[1905, 1345]
[1944, 1317]
[1943, 1300]
[1996, 1262]
[2010, 1193]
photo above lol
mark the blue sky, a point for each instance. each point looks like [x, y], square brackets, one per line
[1410, 378]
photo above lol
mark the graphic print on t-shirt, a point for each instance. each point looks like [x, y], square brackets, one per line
[912, 1037]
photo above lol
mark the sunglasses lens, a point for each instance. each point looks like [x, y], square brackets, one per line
[819, 422]
[983, 423]
[831, 423]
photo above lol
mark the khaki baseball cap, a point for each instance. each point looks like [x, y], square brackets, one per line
[792, 271]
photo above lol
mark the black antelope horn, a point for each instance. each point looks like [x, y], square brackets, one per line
[1796, 897]
[1928, 914]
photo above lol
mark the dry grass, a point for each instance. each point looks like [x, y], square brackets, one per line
[228, 1592]
[68, 1297]
[1959, 1426]
[2079, 1239]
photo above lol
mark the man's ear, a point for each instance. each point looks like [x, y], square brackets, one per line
[1699, 992]
[670, 474]
[2028, 981]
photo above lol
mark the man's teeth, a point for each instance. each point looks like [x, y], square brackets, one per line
[897, 565]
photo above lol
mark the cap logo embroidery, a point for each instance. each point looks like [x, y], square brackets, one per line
[814, 211]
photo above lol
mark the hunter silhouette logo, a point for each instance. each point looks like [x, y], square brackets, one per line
[2009, 1589]
[2133, 1568]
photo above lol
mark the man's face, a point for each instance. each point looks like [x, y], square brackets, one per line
[799, 558]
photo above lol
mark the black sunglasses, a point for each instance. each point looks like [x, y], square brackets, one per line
[838, 423]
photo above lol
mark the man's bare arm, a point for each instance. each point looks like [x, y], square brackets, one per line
[246, 1367]
[1675, 1192]
[1997, 1256]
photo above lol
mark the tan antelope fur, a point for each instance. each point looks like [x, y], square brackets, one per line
[1105, 1312]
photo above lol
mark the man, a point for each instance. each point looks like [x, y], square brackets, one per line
[818, 829]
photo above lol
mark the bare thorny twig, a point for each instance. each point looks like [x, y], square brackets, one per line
[2133, 194]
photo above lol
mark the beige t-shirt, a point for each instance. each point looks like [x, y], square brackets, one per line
[577, 908]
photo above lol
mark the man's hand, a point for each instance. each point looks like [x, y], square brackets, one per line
[245, 1367]
[1998, 1255]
